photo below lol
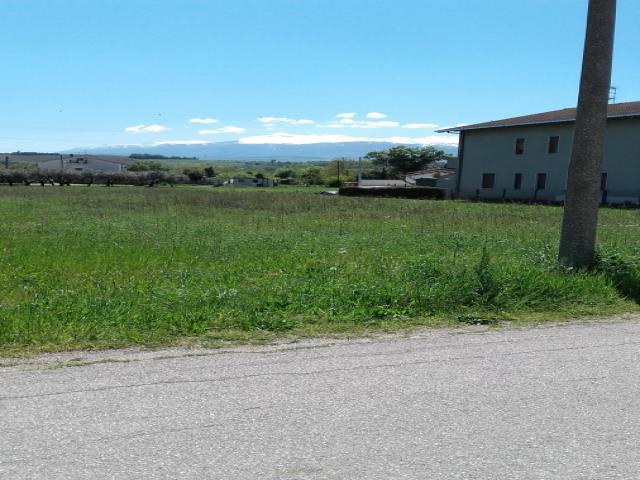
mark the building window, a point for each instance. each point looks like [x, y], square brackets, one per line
[553, 144]
[541, 181]
[488, 180]
[517, 181]
[519, 146]
[603, 181]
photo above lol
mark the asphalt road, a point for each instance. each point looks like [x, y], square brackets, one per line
[557, 402]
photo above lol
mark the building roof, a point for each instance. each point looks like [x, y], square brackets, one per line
[432, 172]
[566, 115]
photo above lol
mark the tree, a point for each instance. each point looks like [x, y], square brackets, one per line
[580, 221]
[401, 160]
[147, 166]
[284, 173]
[209, 172]
[312, 176]
[194, 174]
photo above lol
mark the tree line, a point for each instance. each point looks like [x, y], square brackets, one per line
[393, 163]
[149, 179]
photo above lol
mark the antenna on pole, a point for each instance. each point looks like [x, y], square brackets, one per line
[613, 92]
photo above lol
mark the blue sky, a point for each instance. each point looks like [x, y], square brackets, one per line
[99, 72]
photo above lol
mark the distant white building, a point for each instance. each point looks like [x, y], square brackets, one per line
[86, 163]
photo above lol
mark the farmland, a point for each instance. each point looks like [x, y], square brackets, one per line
[95, 267]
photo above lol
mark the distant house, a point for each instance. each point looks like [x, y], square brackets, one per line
[87, 163]
[440, 177]
[527, 158]
[250, 182]
[69, 163]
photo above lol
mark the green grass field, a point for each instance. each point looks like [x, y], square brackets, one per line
[97, 267]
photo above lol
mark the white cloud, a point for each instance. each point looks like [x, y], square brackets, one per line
[346, 115]
[294, 139]
[288, 138]
[376, 115]
[232, 129]
[420, 125]
[349, 123]
[156, 128]
[146, 128]
[228, 129]
[383, 123]
[343, 122]
[180, 142]
[273, 121]
[206, 121]
[449, 140]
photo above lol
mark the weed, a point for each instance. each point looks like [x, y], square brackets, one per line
[89, 268]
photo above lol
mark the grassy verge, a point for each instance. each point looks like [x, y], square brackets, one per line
[98, 268]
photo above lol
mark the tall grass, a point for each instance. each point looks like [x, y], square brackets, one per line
[94, 267]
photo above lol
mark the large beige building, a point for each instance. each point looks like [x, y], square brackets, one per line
[68, 163]
[527, 158]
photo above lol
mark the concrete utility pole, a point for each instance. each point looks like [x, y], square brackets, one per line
[580, 222]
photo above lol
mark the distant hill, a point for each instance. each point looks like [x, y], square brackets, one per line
[240, 151]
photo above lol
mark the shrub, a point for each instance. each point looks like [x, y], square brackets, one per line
[409, 192]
